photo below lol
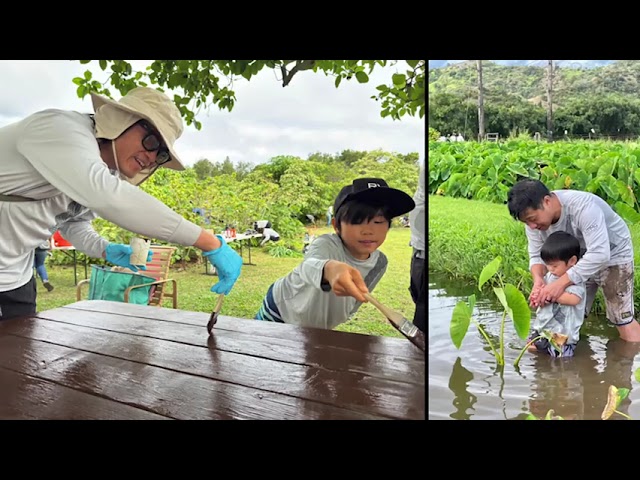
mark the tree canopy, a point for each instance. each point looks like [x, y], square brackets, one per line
[210, 82]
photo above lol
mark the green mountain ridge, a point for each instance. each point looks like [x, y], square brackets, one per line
[530, 83]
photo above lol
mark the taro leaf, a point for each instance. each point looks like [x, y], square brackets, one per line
[520, 311]
[489, 271]
[503, 300]
[609, 187]
[606, 169]
[472, 302]
[626, 194]
[612, 401]
[518, 169]
[560, 182]
[580, 179]
[460, 320]
[548, 173]
[593, 185]
[628, 214]
[622, 394]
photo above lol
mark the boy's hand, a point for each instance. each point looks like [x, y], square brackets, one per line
[534, 297]
[345, 280]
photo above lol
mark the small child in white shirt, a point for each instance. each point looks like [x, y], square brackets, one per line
[563, 318]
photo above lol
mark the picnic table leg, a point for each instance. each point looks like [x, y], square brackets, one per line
[249, 248]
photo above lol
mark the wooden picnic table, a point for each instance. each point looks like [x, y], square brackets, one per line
[110, 360]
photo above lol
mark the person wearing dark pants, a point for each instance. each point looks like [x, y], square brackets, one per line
[19, 301]
[418, 283]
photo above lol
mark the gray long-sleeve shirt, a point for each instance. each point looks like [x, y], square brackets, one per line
[53, 156]
[299, 296]
[600, 230]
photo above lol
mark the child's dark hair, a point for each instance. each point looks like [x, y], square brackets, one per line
[355, 213]
[560, 246]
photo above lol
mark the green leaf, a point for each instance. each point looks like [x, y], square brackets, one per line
[622, 394]
[531, 416]
[460, 320]
[362, 77]
[472, 303]
[518, 170]
[78, 80]
[413, 63]
[627, 213]
[520, 310]
[399, 80]
[636, 374]
[489, 271]
[338, 80]
[103, 64]
[88, 75]
[503, 300]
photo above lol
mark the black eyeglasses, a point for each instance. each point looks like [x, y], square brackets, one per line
[152, 143]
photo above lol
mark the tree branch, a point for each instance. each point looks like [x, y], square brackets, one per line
[298, 67]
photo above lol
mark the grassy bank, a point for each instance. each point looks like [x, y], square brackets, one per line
[246, 296]
[465, 235]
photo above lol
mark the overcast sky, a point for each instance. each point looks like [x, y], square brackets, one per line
[310, 115]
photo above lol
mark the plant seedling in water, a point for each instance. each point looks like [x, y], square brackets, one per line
[616, 395]
[551, 415]
[513, 301]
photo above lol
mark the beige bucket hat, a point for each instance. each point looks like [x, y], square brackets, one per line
[140, 103]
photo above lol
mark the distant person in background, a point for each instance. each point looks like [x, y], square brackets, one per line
[39, 258]
[418, 285]
[442, 138]
[460, 138]
[329, 215]
[269, 234]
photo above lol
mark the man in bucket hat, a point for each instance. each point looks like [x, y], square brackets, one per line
[61, 169]
[339, 268]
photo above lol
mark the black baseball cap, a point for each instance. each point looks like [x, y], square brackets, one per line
[376, 192]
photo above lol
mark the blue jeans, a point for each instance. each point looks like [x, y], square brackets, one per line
[38, 263]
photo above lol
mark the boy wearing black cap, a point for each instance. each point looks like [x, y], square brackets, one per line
[328, 286]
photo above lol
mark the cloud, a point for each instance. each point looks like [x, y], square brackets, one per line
[310, 115]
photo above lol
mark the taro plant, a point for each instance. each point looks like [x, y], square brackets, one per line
[615, 396]
[514, 303]
[551, 415]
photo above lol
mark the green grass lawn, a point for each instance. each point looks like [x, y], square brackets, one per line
[247, 294]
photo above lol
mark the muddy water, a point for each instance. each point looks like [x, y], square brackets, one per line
[466, 384]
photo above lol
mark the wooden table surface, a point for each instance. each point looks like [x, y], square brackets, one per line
[109, 360]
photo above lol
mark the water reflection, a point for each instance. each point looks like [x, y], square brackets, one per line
[466, 383]
[459, 383]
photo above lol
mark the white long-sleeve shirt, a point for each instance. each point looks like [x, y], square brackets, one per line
[53, 156]
[299, 296]
[600, 230]
[416, 216]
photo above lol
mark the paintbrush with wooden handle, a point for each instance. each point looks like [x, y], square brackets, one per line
[404, 326]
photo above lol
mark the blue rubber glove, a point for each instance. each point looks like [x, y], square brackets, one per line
[120, 254]
[228, 264]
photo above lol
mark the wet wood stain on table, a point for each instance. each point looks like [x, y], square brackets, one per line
[108, 360]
